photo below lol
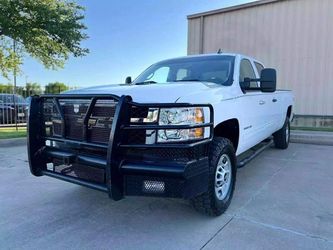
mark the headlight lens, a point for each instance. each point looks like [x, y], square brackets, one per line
[183, 116]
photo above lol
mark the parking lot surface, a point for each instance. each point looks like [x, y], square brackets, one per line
[283, 200]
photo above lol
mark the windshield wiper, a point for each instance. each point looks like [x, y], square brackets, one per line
[189, 80]
[143, 83]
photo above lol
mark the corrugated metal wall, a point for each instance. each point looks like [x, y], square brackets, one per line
[293, 36]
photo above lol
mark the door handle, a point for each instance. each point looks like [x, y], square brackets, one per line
[274, 100]
[261, 102]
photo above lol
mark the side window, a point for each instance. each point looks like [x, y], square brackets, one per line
[160, 75]
[246, 70]
[259, 67]
[19, 99]
[182, 74]
[8, 99]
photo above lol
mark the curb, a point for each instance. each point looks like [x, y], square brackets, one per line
[311, 137]
[13, 142]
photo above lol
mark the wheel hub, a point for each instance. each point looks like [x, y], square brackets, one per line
[223, 177]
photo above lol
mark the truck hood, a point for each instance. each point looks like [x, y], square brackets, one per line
[157, 93]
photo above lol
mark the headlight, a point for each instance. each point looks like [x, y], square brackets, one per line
[183, 116]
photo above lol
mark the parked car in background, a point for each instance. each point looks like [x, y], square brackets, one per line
[8, 104]
[6, 113]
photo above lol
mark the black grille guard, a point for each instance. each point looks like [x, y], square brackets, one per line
[39, 152]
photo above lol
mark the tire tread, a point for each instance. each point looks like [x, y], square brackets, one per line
[280, 136]
[205, 203]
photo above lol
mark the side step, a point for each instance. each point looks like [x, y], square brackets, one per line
[75, 181]
[253, 152]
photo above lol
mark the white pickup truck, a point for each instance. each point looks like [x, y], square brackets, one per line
[179, 130]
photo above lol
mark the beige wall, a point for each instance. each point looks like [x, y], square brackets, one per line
[293, 36]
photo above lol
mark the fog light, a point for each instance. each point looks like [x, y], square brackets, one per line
[153, 186]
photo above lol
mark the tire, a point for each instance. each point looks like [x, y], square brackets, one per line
[213, 202]
[282, 136]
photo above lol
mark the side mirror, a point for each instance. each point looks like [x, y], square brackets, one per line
[128, 80]
[246, 83]
[268, 80]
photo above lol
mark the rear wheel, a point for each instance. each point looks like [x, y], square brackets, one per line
[282, 136]
[222, 178]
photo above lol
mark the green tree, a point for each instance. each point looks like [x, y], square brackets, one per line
[55, 87]
[48, 30]
[6, 88]
[32, 88]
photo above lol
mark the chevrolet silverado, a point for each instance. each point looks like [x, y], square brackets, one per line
[180, 129]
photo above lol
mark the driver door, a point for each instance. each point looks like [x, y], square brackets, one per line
[255, 109]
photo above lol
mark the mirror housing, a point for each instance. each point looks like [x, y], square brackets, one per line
[128, 80]
[246, 83]
[268, 80]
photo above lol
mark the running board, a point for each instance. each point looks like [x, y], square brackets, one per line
[75, 181]
[256, 151]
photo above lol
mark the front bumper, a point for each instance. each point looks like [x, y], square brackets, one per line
[121, 166]
[173, 180]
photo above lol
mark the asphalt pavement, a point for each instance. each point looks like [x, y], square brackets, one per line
[283, 200]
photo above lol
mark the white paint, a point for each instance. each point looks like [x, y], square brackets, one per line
[256, 121]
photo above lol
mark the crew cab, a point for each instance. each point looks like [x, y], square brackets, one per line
[180, 129]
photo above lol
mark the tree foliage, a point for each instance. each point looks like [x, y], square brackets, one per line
[28, 90]
[55, 87]
[33, 88]
[6, 88]
[48, 30]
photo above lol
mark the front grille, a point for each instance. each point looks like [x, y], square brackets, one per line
[74, 111]
[99, 135]
[83, 172]
[139, 112]
[136, 136]
[75, 108]
[168, 154]
[73, 127]
[104, 111]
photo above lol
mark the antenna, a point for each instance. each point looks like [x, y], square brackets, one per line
[219, 51]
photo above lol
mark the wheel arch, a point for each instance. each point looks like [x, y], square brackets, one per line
[289, 111]
[228, 129]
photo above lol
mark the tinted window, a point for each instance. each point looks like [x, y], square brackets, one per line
[6, 98]
[217, 69]
[20, 99]
[246, 71]
[259, 67]
[9, 99]
[182, 73]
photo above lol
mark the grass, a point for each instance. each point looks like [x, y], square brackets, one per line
[8, 133]
[312, 129]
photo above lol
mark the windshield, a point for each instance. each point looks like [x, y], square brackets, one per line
[217, 69]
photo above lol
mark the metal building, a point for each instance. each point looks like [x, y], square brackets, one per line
[293, 36]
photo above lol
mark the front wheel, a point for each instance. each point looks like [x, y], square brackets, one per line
[282, 136]
[222, 178]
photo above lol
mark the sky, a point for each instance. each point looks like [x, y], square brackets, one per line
[125, 37]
